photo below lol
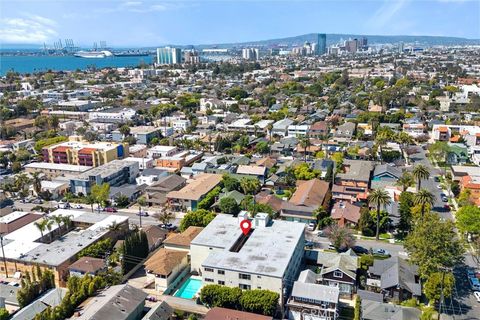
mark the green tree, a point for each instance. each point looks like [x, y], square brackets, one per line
[433, 244]
[4, 315]
[229, 205]
[209, 199]
[405, 210]
[125, 130]
[37, 182]
[260, 301]
[439, 150]
[262, 147]
[424, 198]
[249, 185]
[340, 237]
[304, 172]
[199, 218]
[357, 315]
[230, 183]
[468, 219]
[420, 172]
[433, 286]
[366, 223]
[135, 248]
[43, 225]
[405, 181]
[378, 198]
[16, 167]
[101, 193]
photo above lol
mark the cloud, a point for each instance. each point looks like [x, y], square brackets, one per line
[27, 29]
[141, 7]
[385, 14]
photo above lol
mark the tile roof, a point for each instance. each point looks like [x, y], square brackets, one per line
[200, 186]
[164, 261]
[310, 193]
[184, 238]
[87, 265]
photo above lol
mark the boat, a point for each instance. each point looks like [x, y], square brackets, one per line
[93, 54]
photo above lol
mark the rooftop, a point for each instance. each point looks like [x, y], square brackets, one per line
[106, 169]
[22, 244]
[201, 185]
[164, 261]
[267, 251]
[57, 166]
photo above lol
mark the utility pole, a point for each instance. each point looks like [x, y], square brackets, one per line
[3, 255]
[443, 270]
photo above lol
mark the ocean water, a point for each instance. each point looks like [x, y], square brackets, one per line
[30, 64]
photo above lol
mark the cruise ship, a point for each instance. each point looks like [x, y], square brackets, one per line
[93, 54]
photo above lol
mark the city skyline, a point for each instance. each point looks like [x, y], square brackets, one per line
[211, 22]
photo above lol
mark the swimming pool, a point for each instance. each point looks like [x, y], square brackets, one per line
[189, 288]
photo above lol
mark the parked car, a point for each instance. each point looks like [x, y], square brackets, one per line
[381, 252]
[446, 207]
[444, 199]
[477, 295]
[151, 298]
[474, 284]
[78, 206]
[168, 226]
[311, 226]
[63, 205]
[471, 273]
[110, 209]
[309, 244]
[37, 201]
[360, 250]
[320, 233]
[436, 179]
[142, 213]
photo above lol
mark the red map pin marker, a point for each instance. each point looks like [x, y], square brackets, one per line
[245, 225]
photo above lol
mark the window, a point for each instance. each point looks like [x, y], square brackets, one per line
[244, 276]
[244, 286]
[337, 274]
[208, 280]
[220, 282]
[221, 271]
[259, 277]
[208, 270]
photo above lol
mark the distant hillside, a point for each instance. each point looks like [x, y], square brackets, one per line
[335, 38]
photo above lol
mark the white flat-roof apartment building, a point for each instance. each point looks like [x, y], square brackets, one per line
[268, 257]
[298, 130]
[161, 152]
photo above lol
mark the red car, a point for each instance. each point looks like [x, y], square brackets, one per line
[447, 207]
[110, 209]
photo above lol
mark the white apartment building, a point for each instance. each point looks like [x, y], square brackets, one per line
[268, 257]
[161, 152]
[115, 117]
[181, 124]
[280, 128]
[298, 130]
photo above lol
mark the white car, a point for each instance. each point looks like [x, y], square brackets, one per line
[311, 226]
[78, 206]
[477, 295]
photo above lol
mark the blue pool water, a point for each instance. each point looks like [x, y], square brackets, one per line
[189, 288]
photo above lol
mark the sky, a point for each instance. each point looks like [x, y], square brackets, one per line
[183, 22]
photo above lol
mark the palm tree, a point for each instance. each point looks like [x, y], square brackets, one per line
[424, 198]
[58, 219]
[305, 143]
[90, 199]
[37, 182]
[381, 140]
[67, 221]
[43, 225]
[420, 172]
[404, 139]
[165, 216]
[142, 202]
[249, 185]
[405, 181]
[379, 198]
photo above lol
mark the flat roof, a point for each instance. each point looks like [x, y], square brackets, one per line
[106, 169]
[267, 251]
[22, 244]
[58, 166]
[14, 216]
